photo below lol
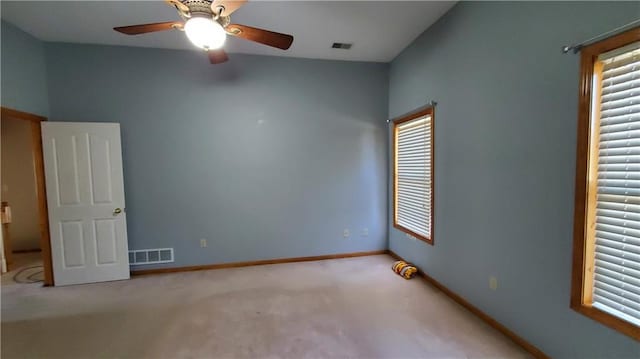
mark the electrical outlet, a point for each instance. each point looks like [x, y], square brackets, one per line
[493, 283]
[203, 243]
[346, 233]
[365, 232]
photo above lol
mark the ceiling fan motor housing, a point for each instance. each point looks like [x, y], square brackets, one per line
[202, 8]
[198, 6]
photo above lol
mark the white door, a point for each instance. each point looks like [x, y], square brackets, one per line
[85, 196]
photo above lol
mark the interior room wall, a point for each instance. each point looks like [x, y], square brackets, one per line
[505, 137]
[19, 184]
[264, 157]
[23, 71]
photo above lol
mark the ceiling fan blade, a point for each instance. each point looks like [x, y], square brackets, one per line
[229, 6]
[217, 56]
[266, 37]
[143, 29]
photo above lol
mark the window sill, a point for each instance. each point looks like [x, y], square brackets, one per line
[609, 320]
[428, 240]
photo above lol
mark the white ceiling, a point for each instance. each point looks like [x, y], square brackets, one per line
[379, 30]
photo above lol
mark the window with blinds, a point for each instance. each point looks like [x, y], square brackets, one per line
[616, 274]
[606, 281]
[413, 175]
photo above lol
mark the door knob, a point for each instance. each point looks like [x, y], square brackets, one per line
[117, 211]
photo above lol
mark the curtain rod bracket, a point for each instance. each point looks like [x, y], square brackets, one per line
[575, 48]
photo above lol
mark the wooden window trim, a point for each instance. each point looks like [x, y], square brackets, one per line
[396, 122]
[582, 257]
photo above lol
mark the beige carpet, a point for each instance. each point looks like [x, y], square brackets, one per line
[327, 309]
[25, 268]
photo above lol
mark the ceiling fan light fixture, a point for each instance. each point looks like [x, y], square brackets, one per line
[205, 33]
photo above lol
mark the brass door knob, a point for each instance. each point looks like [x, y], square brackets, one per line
[117, 211]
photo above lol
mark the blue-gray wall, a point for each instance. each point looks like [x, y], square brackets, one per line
[505, 160]
[23, 71]
[273, 157]
[265, 157]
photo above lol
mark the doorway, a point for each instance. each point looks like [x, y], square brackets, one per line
[25, 224]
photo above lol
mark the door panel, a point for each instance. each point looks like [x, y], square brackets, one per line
[66, 170]
[105, 230]
[72, 244]
[100, 170]
[83, 170]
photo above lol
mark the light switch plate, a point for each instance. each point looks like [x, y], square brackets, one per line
[493, 283]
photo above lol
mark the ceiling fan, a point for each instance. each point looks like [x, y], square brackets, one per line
[207, 24]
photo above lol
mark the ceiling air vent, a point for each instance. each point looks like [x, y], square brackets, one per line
[341, 45]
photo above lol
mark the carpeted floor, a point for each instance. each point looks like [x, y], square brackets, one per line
[25, 268]
[327, 309]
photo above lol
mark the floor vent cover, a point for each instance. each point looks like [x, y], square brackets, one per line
[150, 256]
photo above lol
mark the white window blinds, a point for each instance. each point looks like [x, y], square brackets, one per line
[616, 279]
[413, 175]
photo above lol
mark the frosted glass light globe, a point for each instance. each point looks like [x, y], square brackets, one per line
[205, 33]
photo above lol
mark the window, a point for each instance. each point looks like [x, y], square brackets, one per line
[413, 175]
[606, 258]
